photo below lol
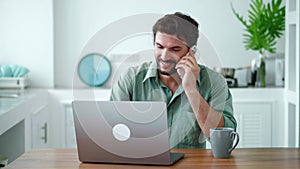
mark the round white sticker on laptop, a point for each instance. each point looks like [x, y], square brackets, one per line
[121, 132]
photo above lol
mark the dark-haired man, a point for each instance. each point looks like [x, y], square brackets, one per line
[197, 98]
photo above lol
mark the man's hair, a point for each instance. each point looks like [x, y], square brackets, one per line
[179, 24]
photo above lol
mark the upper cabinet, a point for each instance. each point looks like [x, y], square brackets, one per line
[292, 73]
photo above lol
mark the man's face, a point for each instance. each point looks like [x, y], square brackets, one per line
[168, 51]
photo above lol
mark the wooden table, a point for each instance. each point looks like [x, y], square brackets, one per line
[256, 158]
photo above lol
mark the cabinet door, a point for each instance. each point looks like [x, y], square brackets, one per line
[254, 123]
[39, 128]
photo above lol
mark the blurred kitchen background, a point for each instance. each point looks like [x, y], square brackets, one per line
[48, 36]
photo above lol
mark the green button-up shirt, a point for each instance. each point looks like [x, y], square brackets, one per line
[142, 84]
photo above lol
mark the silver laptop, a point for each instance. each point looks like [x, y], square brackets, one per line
[123, 132]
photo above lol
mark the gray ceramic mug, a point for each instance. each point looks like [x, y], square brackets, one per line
[221, 140]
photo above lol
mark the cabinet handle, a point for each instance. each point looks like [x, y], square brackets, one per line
[45, 138]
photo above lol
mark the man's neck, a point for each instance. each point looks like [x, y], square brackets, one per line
[171, 81]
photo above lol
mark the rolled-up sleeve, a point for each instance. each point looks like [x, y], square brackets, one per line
[229, 120]
[221, 100]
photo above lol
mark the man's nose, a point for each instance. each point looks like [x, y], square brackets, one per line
[166, 55]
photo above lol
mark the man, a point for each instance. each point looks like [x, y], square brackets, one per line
[197, 98]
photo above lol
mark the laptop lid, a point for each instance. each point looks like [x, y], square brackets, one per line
[122, 132]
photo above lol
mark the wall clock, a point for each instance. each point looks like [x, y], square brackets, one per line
[94, 69]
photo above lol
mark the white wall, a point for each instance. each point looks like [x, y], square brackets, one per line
[26, 38]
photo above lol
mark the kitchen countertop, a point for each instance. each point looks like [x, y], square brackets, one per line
[10, 99]
[16, 105]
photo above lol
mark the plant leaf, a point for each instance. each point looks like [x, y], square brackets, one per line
[266, 22]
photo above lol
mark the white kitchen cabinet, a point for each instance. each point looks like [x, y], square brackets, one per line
[20, 119]
[260, 116]
[39, 128]
[259, 113]
[254, 123]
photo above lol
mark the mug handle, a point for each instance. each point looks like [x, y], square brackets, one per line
[233, 135]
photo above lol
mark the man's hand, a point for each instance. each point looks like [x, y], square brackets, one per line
[189, 70]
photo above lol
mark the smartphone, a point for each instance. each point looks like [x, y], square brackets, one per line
[194, 50]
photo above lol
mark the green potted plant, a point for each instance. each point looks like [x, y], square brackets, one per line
[266, 23]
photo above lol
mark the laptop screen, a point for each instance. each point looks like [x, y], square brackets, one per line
[121, 131]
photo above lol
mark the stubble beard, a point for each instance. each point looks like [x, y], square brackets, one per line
[167, 73]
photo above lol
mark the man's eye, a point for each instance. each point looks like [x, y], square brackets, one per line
[176, 50]
[159, 46]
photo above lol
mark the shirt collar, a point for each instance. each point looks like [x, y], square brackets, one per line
[151, 72]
